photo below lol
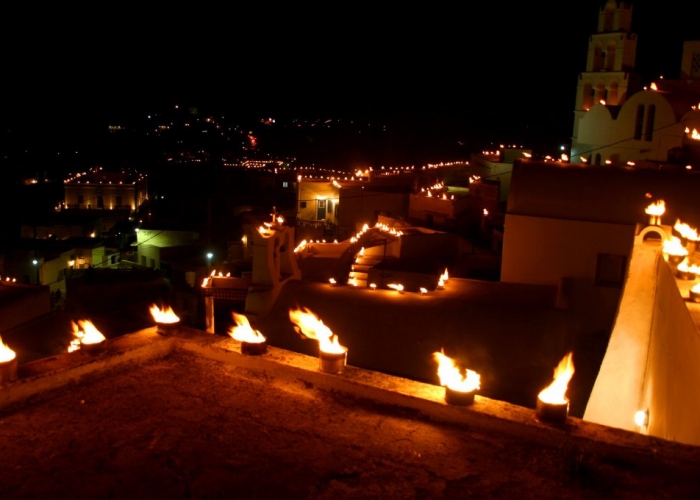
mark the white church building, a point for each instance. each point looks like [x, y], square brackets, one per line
[620, 121]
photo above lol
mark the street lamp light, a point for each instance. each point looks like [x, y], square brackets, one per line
[35, 262]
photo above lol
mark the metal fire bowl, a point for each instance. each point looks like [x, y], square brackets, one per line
[685, 275]
[459, 398]
[331, 362]
[549, 413]
[168, 328]
[92, 349]
[8, 370]
[676, 259]
[254, 348]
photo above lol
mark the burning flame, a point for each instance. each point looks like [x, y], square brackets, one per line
[674, 247]
[555, 393]
[398, 287]
[685, 230]
[85, 333]
[656, 208]
[243, 332]
[166, 315]
[687, 267]
[300, 246]
[265, 232]
[445, 277]
[451, 377]
[6, 354]
[308, 325]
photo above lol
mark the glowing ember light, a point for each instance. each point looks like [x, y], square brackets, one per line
[243, 332]
[396, 286]
[555, 393]
[373, 286]
[441, 284]
[310, 326]
[85, 334]
[331, 281]
[423, 290]
[641, 418]
[451, 377]
[6, 354]
[653, 86]
[166, 315]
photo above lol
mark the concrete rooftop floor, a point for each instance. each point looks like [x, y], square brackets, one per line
[512, 334]
[189, 416]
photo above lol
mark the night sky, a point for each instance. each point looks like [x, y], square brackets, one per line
[66, 70]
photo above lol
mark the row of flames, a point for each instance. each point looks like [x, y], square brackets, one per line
[310, 326]
[677, 249]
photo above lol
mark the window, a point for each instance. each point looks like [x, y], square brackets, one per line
[610, 270]
[321, 203]
[285, 184]
[302, 204]
[649, 130]
[639, 123]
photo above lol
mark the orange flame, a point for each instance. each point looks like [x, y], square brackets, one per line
[451, 377]
[243, 332]
[674, 247]
[555, 393]
[656, 208]
[166, 315]
[85, 333]
[685, 230]
[310, 326]
[6, 354]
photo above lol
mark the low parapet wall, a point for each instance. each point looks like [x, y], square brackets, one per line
[652, 363]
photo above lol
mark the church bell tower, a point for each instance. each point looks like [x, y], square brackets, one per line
[610, 75]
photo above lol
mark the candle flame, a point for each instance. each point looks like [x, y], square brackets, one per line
[310, 326]
[555, 393]
[85, 333]
[656, 208]
[6, 354]
[166, 315]
[243, 332]
[451, 377]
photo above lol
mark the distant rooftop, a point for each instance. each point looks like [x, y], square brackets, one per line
[98, 175]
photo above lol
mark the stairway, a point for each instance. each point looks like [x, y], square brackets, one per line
[360, 270]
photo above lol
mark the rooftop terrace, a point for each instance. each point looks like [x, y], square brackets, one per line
[189, 416]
